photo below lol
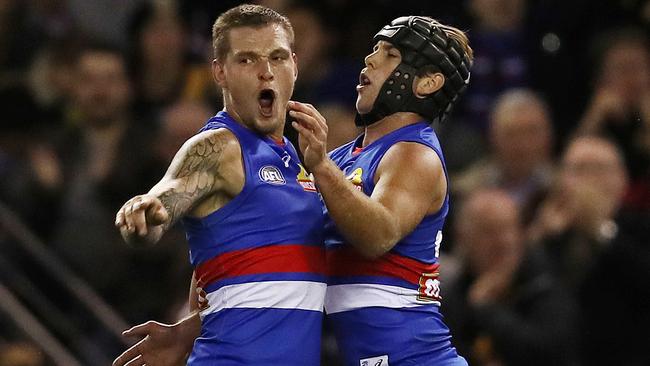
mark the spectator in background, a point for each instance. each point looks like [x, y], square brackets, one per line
[160, 58]
[52, 76]
[100, 152]
[620, 106]
[520, 162]
[325, 82]
[600, 251]
[576, 219]
[504, 307]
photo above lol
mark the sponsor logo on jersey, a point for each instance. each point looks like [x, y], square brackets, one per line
[272, 175]
[374, 361]
[355, 178]
[429, 289]
[306, 180]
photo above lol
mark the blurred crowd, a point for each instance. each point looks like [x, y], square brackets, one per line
[546, 257]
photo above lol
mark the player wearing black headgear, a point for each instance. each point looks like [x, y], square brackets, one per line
[426, 46]
[386, 198]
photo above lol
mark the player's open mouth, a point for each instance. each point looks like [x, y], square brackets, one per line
[363, 81]
[266, 98]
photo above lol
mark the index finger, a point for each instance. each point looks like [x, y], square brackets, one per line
[313, 112]
[311, 123]
[303, 107]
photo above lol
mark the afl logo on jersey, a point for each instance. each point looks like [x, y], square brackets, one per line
[272, 175]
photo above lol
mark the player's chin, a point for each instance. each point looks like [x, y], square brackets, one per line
[363, 106]
[265, 125]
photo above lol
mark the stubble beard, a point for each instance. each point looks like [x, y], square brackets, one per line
[265, 128]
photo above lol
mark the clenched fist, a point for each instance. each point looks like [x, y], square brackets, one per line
[141, 220]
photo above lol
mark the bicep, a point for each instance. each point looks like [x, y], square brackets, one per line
[195, 171]
[410, 191]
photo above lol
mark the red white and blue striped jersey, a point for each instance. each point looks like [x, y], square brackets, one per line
[260, 258]
[385, 311]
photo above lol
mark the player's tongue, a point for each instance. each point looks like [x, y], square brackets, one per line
[266, 98]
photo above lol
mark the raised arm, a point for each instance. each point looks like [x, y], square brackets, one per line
[410, 183]
[199, 170]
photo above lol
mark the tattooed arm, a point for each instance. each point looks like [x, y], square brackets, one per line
[203, 174]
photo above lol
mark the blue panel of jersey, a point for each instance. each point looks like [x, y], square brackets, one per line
[272, 207]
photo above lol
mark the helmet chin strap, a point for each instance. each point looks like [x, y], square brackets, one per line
[422, 44]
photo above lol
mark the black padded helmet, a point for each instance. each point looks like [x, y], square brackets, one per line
[422, 42]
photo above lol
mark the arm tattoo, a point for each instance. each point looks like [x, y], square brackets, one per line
[197, 172]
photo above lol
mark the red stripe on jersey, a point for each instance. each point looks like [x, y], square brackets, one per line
[347, 262]
[267, 259]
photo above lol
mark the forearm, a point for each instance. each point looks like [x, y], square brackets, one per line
[188, 329]
[366, 224]
[176, 201]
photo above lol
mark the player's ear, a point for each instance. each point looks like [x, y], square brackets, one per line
[218, 73]
[295, 66]
[428, 84]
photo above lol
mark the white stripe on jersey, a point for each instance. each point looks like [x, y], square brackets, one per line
[304, 295]
[362, 295]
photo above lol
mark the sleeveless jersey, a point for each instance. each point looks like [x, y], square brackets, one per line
[386, 311]
[261, 260]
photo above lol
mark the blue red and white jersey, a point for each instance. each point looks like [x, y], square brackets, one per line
[261, 260]
[386, 311]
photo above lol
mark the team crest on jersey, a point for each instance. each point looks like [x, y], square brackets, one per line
[355, 178]
[272, 175]
[429, 290]
[306, 180]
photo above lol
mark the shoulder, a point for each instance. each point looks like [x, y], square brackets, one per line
[209, 151]
[215, 143]
[411, 156]
[415, 170]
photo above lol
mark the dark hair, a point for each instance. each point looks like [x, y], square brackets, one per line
[245, 15]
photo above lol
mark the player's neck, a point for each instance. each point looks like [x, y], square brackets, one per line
[389, 124]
